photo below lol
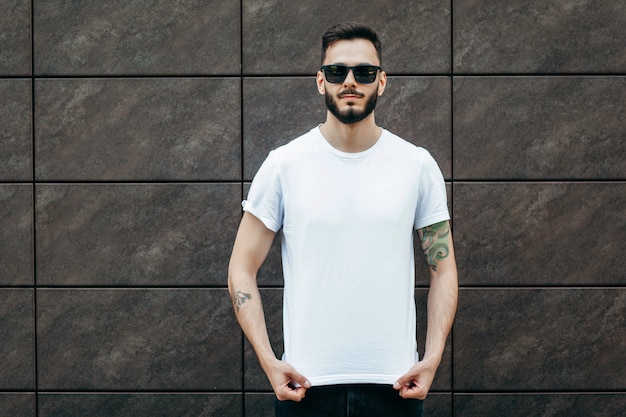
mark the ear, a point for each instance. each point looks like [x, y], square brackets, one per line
[382, 82]
[319, 79]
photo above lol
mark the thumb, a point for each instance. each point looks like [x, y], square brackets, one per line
[299, 379]
[402, 381]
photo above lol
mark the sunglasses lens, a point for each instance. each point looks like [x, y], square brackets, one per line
[363, 74]
[335, 73]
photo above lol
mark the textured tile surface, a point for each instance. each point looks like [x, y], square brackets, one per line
[540, 339]
[418, 109]
[522, 405]
[438, 404]
[15, 134]
[275, 111]
[15, 58]
[286, 37]
[260, 404]
[129, 132]
[17, 333]
[279, 110]
[140, 405]
[138, 129]
[137, 340]
[135, 234]
[135, 38]
[540, 233]
[17, 405]
[539, 128]
[542, 36]
[16, 223]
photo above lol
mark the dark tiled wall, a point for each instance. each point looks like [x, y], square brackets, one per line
[129, 132]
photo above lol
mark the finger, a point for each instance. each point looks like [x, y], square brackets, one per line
[291, 393]
[412, 391]
[300, 379]
[402, 382]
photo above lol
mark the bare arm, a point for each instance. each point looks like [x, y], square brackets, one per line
[442, 303]
[251, 247]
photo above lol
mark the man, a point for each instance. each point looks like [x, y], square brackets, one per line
[348, 196]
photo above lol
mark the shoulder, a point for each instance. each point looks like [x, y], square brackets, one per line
[403, 148]
[300, 144]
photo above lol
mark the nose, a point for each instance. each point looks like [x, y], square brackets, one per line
[350, 80]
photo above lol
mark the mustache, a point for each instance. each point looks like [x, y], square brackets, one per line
[350, 92]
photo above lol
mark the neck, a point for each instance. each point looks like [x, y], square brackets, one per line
[354, 137]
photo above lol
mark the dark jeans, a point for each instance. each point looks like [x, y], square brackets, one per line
[360, 400]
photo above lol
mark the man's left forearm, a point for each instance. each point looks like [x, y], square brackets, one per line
[444, 288]
[442, 305]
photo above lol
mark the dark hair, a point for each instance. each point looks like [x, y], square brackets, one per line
[349, 31]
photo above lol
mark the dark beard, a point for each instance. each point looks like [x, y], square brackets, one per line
[350, 116]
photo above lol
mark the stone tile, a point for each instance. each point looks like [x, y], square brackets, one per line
[16, 239]
[138, 129]
[15, 58]
[275, 111]
[260, 404]
[282, 37]
[136, 38]
[419, 109]
[17, 332]
[254, 377]
[15, 135]
[540, 340]
[438, 405]
[539, 36]
[137, 340]
[140, 405]
[540, 233]
[539, 128]
[537, 404]
[269, 125]
[17, 405]
[135, 234]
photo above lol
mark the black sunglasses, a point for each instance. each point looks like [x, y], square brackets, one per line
[363, 74]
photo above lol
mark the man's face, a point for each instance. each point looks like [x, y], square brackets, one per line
[351, 101]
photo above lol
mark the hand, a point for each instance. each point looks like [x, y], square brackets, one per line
[287, 383]
[416, 383]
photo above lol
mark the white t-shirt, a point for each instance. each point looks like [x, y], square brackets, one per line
[347, 222]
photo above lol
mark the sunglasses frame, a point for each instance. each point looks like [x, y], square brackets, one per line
[358, 78]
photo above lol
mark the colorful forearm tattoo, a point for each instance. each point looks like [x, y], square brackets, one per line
[435, 243]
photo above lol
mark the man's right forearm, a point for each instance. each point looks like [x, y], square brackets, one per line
[252, 244]
[248, 309]
[249, 312]
[250, 249]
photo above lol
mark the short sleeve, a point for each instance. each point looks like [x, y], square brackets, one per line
[265, 198]
[432, 204]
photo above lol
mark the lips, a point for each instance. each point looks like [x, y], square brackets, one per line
[351, 94]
